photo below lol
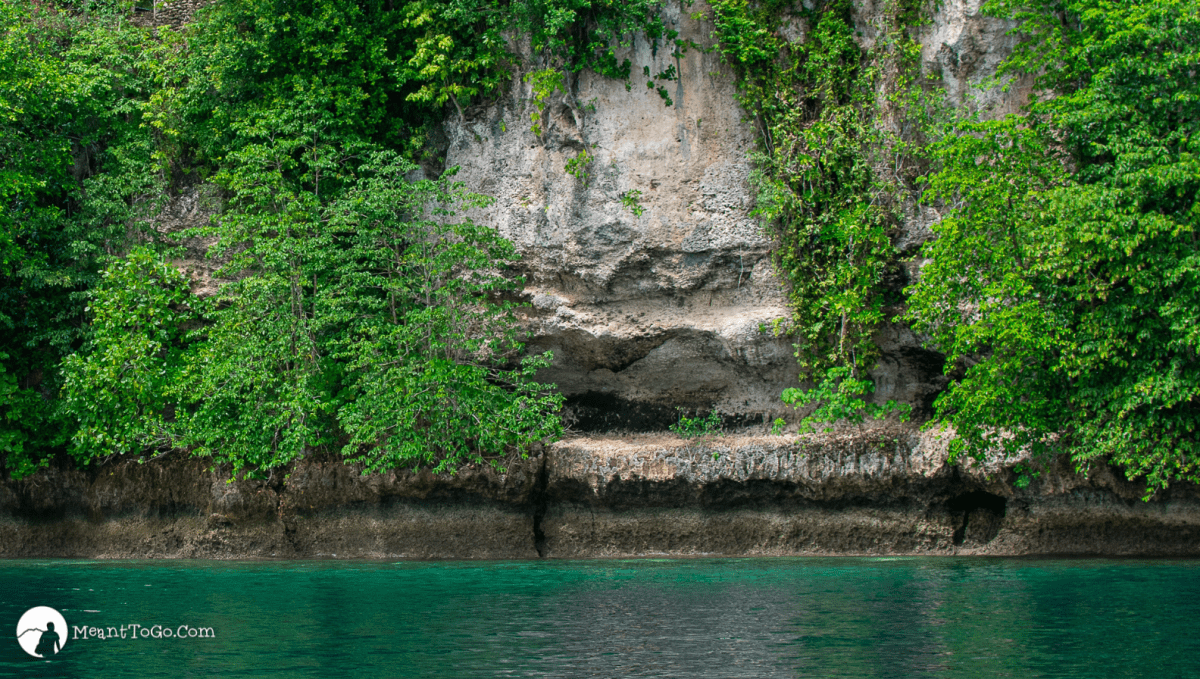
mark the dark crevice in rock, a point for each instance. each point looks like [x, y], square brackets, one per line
[585, 352]
[739, 420]
[599, 412]
[286, 515]
[987, 508]
[540, 500]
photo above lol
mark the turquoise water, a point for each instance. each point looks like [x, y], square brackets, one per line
[849, 617]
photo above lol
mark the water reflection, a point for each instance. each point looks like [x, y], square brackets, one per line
[688, 618]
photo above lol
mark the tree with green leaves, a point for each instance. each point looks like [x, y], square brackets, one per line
[430, 351]
[1064, 282]
[357, 313]
[122, 387]
[77, 176]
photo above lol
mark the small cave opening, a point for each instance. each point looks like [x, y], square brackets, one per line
[978, 500]
[602, 413]
[597, 412]
[982, 514]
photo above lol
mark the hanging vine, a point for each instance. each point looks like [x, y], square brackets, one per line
[840, 150]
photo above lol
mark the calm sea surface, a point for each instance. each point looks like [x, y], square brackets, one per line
[849, 617]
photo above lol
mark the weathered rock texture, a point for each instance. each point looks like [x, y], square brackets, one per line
[174, 13]
[645, 314]
[179, 507]
[649, 313]
[882, 492]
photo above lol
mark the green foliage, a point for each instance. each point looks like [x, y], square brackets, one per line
[448, 62]
[577, 167]
[632, 201]
[777, 426]
[367, 71]
[374, 316]
[389, 68]
[573, 35]
[840, 396]
[122, 386]
[695, 427]
[369, 326]
[544, 84]
[358, 314]
[835, 167]
[290, 109]
[430, 350]
[667, 74]
[76, 173]
[1064, 284]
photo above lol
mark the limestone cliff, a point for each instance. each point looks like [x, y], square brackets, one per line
[646, 314]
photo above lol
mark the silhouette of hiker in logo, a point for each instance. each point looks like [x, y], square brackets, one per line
[42, 632]
[48, 645]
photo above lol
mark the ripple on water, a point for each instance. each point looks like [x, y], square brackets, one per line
[852, 617]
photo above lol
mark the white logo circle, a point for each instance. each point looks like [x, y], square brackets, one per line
[42, 632]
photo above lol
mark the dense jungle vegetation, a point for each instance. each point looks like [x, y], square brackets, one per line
[360, 314]
[1063, 281]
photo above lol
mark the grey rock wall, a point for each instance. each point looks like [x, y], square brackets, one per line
[649, 313]
[173, 13]
[670, 309]
[880, 492]
[643, 313]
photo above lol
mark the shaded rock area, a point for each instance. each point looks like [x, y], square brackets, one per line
[179, 507]
[884, 492]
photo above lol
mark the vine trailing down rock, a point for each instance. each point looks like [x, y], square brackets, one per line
[649, 313]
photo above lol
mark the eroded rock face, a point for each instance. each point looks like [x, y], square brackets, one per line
[648, 313]
[193, 208]
[886, 491]
[643, 313]
[180, 507]
[671, 308]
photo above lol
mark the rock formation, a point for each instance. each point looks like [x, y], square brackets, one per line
[666, 310]
[645, 314]
[887, 492]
